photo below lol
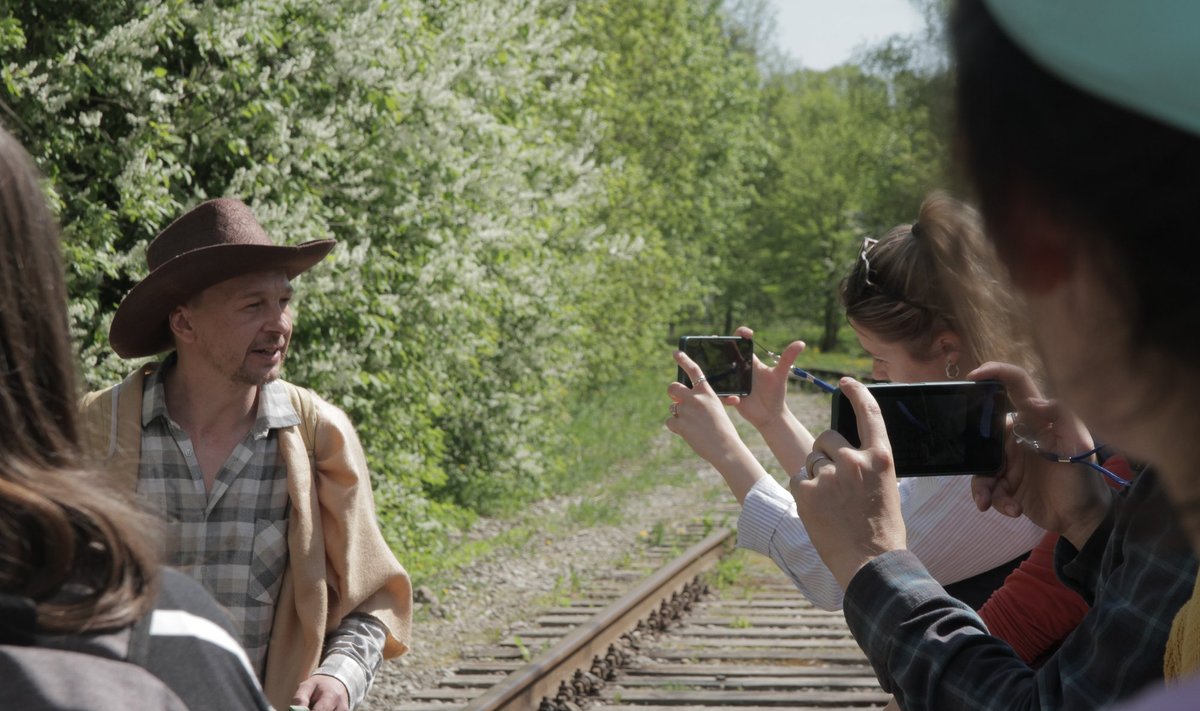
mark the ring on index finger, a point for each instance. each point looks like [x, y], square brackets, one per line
[699, 380]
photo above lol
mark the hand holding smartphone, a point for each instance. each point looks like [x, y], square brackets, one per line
[727, 362]
[936, 428]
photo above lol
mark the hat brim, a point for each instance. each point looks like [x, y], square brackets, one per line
[139, 328]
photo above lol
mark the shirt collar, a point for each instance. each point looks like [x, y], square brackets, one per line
[275, 409]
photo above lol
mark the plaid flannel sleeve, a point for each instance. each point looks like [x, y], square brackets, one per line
[934, 653]
[353, 654]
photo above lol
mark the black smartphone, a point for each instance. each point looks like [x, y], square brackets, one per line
[727, 362]
[936, 428]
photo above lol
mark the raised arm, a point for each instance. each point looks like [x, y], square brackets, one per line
[698, 416]
[766, 408]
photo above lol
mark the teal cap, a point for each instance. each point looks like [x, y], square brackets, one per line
[1143, 55]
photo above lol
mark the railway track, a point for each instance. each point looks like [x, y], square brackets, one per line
[661, 635]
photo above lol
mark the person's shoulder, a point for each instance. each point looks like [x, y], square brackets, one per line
[93, 398]
[52, 678]
[193, 646]
[322, 410]
[103, 395]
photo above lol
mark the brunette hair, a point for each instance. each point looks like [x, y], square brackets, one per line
[1130, 182]
[75, 545]
[938, 274]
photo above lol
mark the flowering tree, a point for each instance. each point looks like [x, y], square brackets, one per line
[501, 224]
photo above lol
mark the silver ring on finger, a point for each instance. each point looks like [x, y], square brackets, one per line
[701, 379]
[674, 409]
[810, 464]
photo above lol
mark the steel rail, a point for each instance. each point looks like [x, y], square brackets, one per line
[524, 688]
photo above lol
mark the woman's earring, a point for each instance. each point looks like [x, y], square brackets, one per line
[952, 370]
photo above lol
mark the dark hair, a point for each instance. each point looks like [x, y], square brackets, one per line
[1130, 182]
[69, 540]
[938, 274]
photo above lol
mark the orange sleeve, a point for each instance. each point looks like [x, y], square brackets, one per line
[1033, 611]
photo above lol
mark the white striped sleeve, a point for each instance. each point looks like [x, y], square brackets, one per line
[952, 538]
[769, 525]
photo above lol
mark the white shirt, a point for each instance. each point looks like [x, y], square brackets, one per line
[946, 532]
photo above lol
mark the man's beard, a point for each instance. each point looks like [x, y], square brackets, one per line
[242, 376]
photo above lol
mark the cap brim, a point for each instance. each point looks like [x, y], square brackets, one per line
[139, 328]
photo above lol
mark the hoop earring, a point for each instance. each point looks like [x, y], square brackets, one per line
[951, 364]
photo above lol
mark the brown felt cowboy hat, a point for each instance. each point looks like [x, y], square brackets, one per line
[215, 241]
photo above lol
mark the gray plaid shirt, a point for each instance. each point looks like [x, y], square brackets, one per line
[234, 539]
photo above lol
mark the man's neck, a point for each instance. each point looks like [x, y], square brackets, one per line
[204, 402]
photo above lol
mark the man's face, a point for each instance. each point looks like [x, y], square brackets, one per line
[241, 327]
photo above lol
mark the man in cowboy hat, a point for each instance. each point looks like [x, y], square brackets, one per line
[264, 485]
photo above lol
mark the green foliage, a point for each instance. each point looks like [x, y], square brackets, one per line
[685, 143]
[853, 151]
[525, 193]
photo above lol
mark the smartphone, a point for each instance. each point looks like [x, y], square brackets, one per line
[727, 362]
[936, 428]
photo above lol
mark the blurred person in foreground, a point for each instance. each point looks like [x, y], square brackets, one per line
[1080, 125]
[87, 617]
[263, 484]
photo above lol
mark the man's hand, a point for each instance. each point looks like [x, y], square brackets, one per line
[321, 692]
[850, 503]
[1070, 500]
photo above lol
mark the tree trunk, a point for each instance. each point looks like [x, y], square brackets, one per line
[833, 321]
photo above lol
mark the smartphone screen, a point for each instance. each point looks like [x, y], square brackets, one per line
[936, 428]
[727, 362]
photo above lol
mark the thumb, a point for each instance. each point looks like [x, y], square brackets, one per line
[303, 695]
[788, 358]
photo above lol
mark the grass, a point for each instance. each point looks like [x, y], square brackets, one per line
[614, 451]
[617, 427]
[526, 655]
[729, 570]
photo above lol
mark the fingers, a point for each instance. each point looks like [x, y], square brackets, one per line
[303, 694]
[872, 432]
[1016, 380]
[329, 694]
[1000, 492]
[678, 391]
[981, 491]
[693, 371]
[788, 358]
[1004, 498]
[1048, 410]
[744, 332]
